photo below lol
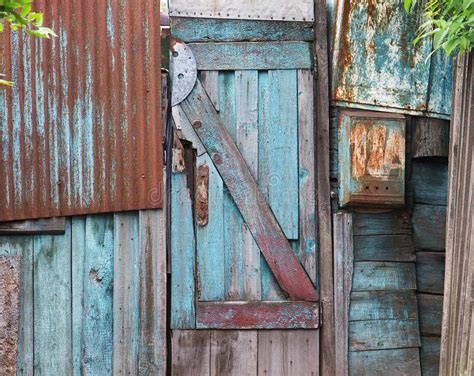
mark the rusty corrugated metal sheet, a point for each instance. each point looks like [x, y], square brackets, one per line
[81, 130]
[375, 64]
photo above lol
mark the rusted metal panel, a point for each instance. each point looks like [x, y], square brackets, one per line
[81, 130]
[371, 158]
[375, 64]
[257, 315]
[278, 10]
[9, 312]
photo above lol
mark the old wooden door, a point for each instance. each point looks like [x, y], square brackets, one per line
[243, 197]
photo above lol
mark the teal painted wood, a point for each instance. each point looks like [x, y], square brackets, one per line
[393, 223]
[383, 305]
[152, 306]
[429, 355]
[252, 55]
[429, 227]
[210, 239]
[430, 182]
[23, 246]
[370, 276]
[441, 81]
[430, 268]
[52, 304]
[383, 334]
[223, 30]
[126, 294]
[430, 309]
[383, 362]
[384, 248]
[92, 294]
[183, 255]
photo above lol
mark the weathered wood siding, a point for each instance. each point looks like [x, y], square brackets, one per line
[457, 341]
[92, 300]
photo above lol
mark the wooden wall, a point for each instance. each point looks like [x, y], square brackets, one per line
[93, 299]
[457, 349]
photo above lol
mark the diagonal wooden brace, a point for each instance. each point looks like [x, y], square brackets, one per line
[256, 212]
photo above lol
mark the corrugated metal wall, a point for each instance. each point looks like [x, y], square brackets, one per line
[81, 130]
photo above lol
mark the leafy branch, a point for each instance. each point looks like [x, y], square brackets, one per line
[449, 22]
[18, 14]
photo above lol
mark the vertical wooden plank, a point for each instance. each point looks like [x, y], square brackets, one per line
[210, 239]
[210, 80]
[125, 294]
[191, 351]
[343, 270]
[288, 352]
[92, 278]
[246, 89]
[153, 292]
[52, 303]
[307, 188]
[183, 257]
[233, 352]
[23, 246]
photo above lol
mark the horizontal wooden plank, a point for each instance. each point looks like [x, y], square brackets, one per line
[257, 315]
[383, 305]
[252, 55]
[430, 181]
[430, 137]
[430, 268]
[397, 222]
[429, 227]
[385, 362]
[383, 276]
[224, 30]
[46, 226]
[430, 308]
[384, 248]
[429, 356]
[383, 334]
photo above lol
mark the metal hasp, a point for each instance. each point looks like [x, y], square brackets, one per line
[275, 10]
[183, 71]
[371, 158]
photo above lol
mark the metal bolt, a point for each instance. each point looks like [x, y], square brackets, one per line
[217, 158]
[197, 124]
[333, 194]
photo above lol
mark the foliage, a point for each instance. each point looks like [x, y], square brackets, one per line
[449, 22]
[18, 14]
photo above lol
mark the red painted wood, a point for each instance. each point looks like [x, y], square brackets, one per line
[256, 212]
[257, 315]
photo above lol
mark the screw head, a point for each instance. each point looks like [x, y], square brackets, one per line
[197, 124]
[216, 157]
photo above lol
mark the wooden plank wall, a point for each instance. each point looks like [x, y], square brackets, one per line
[93, 299]
[428, 186]
[457, 342]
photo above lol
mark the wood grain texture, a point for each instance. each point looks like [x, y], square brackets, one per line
[430, 137]
[22, 246]
[430, 182]
[383, 334]
[52, 303]
[9, 313]
[383, 276]
[248, 198]
[191, 350]
[257, 315]
[430, 356]
[429, 227]
[430, 269]
[383, 305]
[394, 362]
[343, 273]
[384, 248]
[252, 55]
[430, 308]
[233, 352]
[288, 352]
[392, 223]
[92, 297]
[126, 294]
[223, 30]
[48, 226]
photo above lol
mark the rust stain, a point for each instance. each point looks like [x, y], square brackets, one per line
[358, 150]
[376, 140]
[202, 195]
[395, 151]
[345, 53]
[9, 312]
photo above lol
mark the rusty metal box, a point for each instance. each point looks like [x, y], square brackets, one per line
[371, 158]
